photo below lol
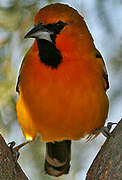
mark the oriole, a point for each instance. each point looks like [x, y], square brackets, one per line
[62, 85]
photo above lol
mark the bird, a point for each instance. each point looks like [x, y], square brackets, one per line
[62, 85]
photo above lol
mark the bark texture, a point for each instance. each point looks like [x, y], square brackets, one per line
[9, 169]
[106, 166]
[108, 163]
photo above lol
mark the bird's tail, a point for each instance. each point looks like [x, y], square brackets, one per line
[57, 160]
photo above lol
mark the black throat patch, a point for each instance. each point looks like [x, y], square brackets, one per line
[48, 53]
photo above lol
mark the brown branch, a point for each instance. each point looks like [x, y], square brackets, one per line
[9, 169]
[108, 162]
[106, 166]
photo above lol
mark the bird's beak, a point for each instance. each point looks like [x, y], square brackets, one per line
[37, 32]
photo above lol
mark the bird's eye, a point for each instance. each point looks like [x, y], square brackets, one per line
[61, 24]
[98, 55]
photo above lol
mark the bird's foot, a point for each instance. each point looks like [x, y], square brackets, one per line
[104, 130]
[15, 151]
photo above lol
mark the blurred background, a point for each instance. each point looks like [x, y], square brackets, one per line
[104, 20]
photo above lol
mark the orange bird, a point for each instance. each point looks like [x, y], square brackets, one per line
[62, 85]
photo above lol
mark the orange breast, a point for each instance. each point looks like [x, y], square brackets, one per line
[64, 103]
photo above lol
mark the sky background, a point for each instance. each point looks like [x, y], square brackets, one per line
[104, 20]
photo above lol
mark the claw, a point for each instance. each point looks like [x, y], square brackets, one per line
[11, 144]
[15, 151]
[110, 124]
[105, 130]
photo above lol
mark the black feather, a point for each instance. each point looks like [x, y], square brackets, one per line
[48, 53]
[58, 155]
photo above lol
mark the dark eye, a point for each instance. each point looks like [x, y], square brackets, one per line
[98, 55]
[60, 24]
[56, 28]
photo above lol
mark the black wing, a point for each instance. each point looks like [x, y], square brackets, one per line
[17, 85]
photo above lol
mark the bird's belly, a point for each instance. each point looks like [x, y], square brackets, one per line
[57, 113]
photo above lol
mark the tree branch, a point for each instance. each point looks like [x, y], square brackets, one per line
[108, 163]
[106, 166]
[9, 169]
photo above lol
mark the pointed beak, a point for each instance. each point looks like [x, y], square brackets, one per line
[37, 31]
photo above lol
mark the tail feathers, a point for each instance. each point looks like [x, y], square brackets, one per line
[58, 155]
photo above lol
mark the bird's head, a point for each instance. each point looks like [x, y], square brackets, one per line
[60, 26]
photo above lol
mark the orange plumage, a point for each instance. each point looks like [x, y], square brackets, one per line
[68, 101]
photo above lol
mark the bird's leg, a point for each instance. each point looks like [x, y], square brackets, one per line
[15, 151]
[105, 130]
